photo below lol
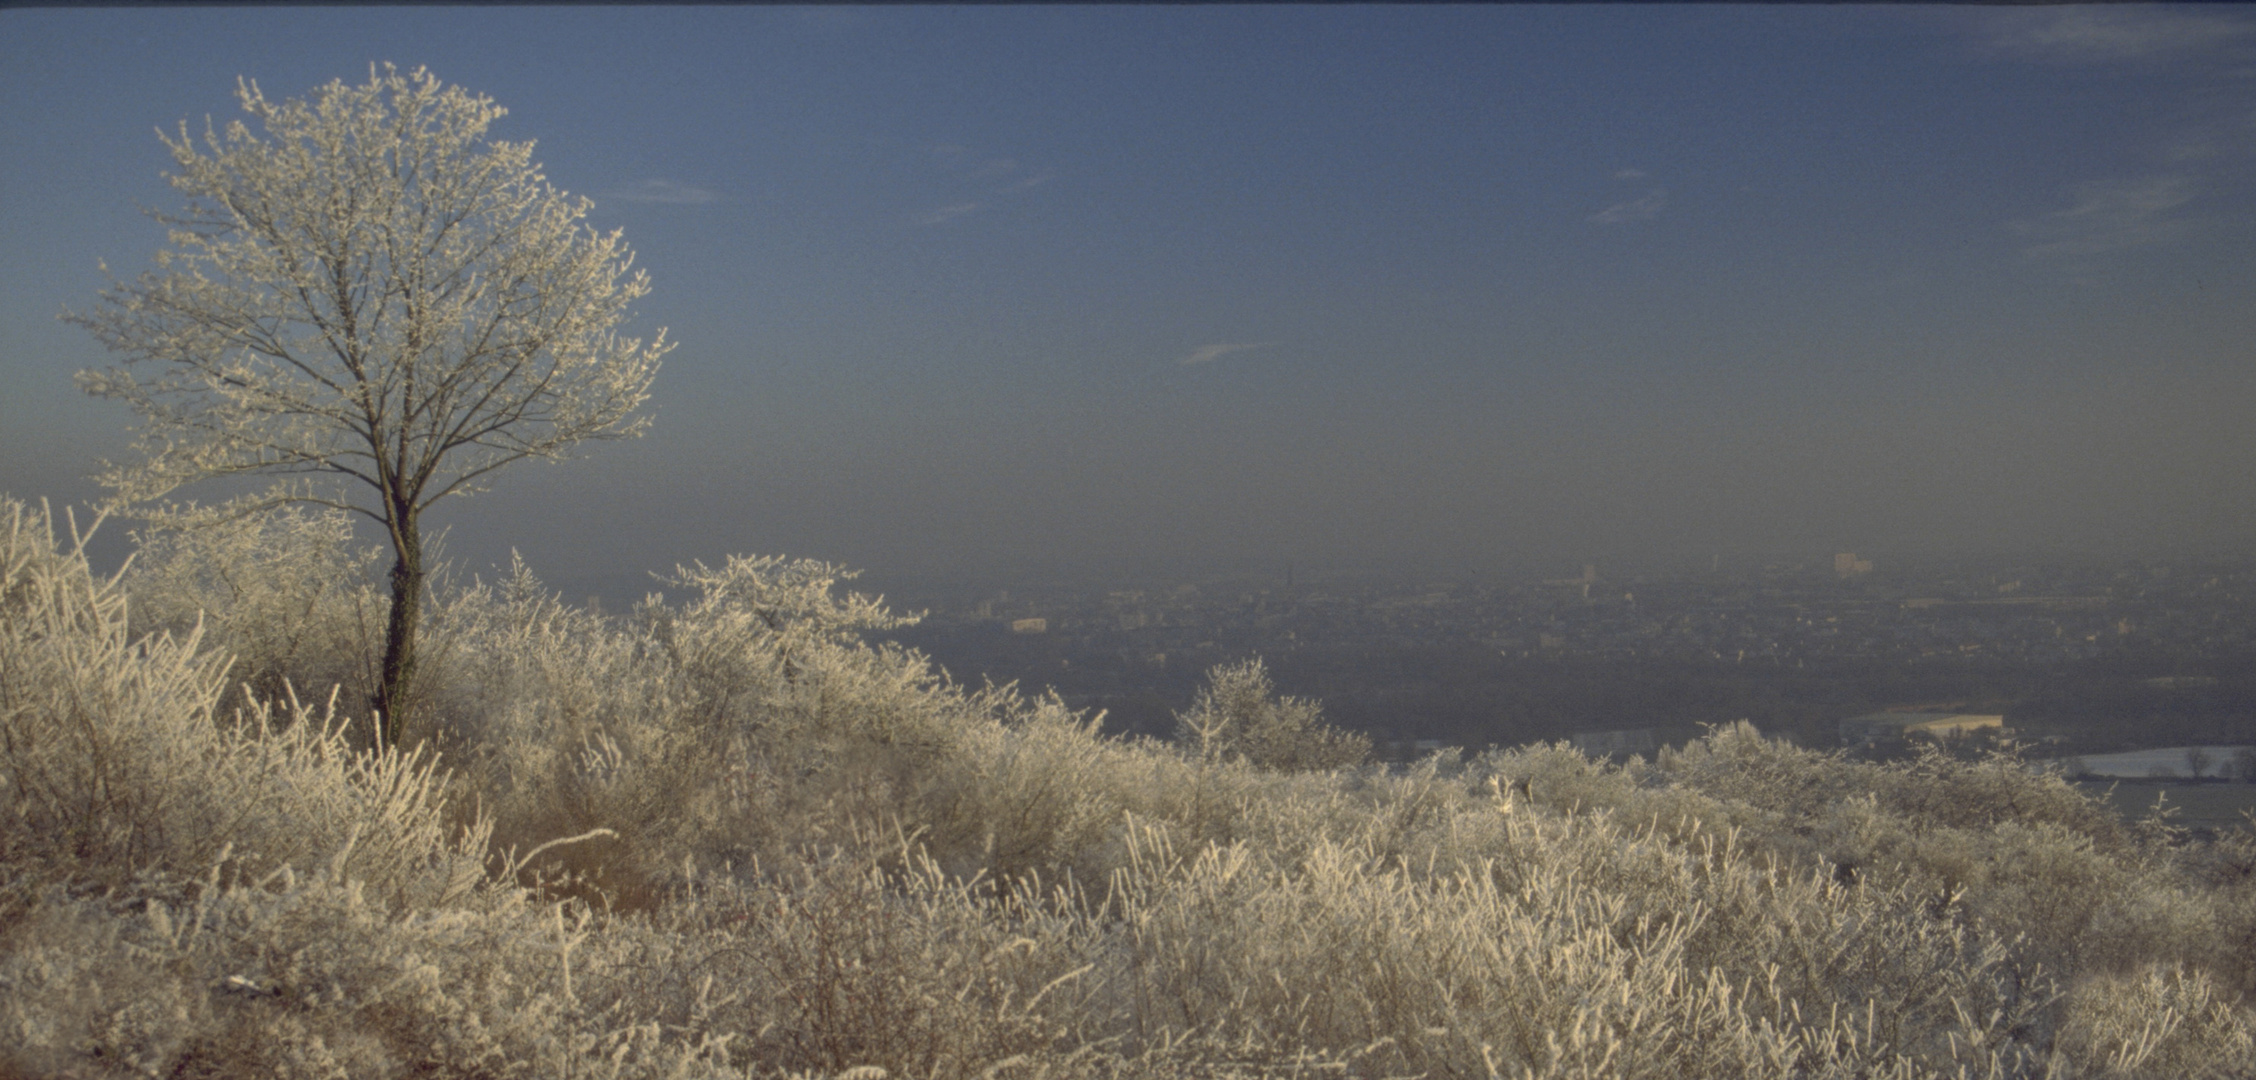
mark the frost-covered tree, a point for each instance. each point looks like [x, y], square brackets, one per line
[378, 306]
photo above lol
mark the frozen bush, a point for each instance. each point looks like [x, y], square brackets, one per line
[1553, 967]
[313, 978]
[842, 964]
[736, 725]
[1238, 714]
[1993, 790]
[113, 767]
[286, 593]
[2159, 1022]
[769, 847]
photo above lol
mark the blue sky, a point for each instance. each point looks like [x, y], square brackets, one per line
[970, 291]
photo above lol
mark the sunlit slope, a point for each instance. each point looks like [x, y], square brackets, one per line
[723, 836]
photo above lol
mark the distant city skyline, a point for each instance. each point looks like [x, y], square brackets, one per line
[971, 293]
[1512, 658]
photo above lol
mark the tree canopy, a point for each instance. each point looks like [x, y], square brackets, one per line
[378, 306]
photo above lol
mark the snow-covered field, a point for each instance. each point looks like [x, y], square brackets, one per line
[2137, 764]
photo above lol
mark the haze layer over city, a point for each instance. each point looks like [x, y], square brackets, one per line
[993, 296]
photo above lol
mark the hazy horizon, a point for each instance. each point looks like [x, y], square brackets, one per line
[997, 293]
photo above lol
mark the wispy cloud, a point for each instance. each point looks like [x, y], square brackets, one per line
[2110, 215]
[1207, 354]
[2117, 34]
[947, 214]
[1636, 210]
[982, 183]
[2205, 59]
[1630, 174]
[662, 191]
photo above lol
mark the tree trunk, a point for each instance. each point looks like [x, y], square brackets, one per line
[392, 693]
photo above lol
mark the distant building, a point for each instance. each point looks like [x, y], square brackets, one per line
[1876, 727]
[1612, 743]
[1589, 577]
[1847, 564]
[1030, 626]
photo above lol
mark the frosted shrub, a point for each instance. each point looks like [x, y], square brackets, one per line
[313, 978]
[1033, 795]
[112, 765]
[79, 985]
[1558, 777]
[2159, 1022]
[769, 652]
[2026, 851]
[560, 724]
[1735, 763]
[2224, 875]
[1552, 968]
[842, 963]
[1993, 790]
[771, 848]
[1238, 714]
[738, 724]
[285, 593]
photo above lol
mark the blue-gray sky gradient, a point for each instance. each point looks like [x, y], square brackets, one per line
[959, 290]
